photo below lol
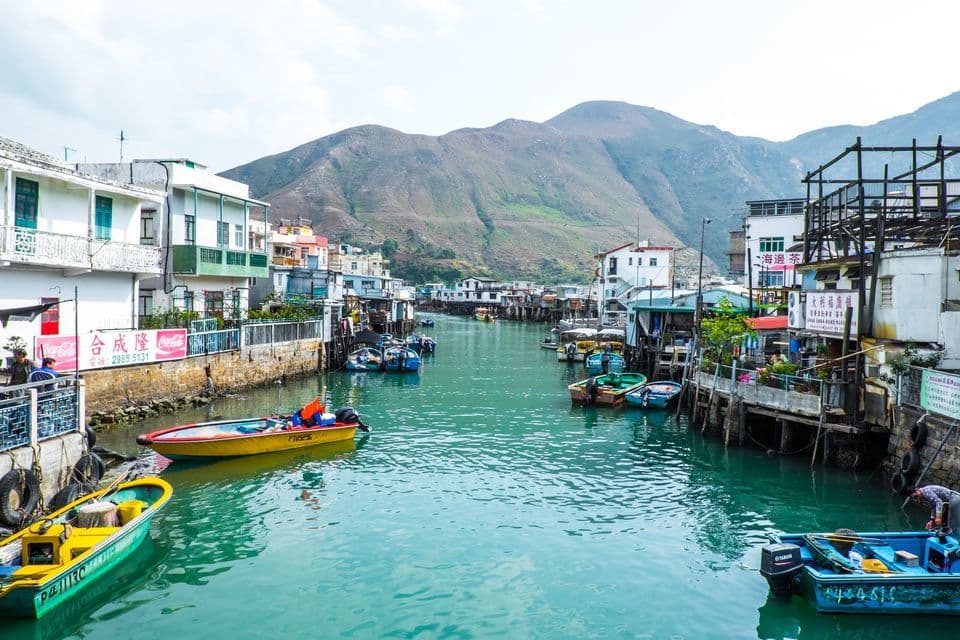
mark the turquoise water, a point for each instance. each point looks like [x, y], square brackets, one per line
[482, 505]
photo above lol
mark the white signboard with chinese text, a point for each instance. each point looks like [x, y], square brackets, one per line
[940, 393]
[824, 311]
[780, 260]
[114, 348]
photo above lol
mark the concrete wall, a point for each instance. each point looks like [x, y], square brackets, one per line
[945, 469]
[110, 389]
[57, 457]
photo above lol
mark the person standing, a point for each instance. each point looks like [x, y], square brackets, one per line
[20, 369]
[936, 496]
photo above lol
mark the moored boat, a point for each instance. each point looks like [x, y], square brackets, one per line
[616, 363]
[484, 314]
[401, 359]
[656, 395]
[607, 390]
[889, 572]
[427, 322]
[421, 343]
[56, 558]
[576, 344]
[364, 359]
[310, 426]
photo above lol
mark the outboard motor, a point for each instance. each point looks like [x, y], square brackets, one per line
[780, 564]
[346, 414]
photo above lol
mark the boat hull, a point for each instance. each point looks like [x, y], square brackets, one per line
[36, 598]
[249, 444]
[610, 391]
[660, 395]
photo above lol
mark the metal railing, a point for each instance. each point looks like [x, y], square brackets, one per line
[108, 255]
[764, 377]
[37, 411]
[207, 342]
[272, 332]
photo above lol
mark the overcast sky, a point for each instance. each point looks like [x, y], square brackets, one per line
[228, 82]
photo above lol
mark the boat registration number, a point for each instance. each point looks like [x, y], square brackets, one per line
[300, 437]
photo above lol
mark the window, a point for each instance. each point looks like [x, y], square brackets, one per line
[104, 217]
[612, 266]
[25, 206]
[886, 292]
[630, 262]
[771, 279]
[238, 235]
[185, 303]
[50, 319]
[223, 234]
[145, 305]
[653, 262]
[771, 245]
[235, 303]
[148, 234]
[213, 303]
[189, 229]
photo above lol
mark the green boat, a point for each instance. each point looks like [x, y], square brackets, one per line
[58, 557]
[609, 390]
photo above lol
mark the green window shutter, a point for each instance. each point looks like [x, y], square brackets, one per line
[104, 217]
[25, 205]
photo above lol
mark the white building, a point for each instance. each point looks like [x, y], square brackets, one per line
[773, 243]
[477, 290]
[627, 271]
[60, 230]
[209, 250]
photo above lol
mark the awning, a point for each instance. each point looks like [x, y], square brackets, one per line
[662, 309]
[767, 322]
[24, 313]
[828, 274]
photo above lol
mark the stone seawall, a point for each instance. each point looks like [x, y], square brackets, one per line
[944, 464]
[111, 389]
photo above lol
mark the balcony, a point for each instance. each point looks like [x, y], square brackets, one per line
[195, 260]
[43, 248]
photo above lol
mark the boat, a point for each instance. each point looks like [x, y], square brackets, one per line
[576, 344]
[427, 322]
[607, 390]
[655, 395]
[58, 557]
[910, 572]
[421, 343]
[617, 363]
[613, 338]
[401, 359]
[388, 340]
[484, 314]
[364, 359]
[307, 427]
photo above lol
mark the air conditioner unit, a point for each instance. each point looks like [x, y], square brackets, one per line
[795, 311]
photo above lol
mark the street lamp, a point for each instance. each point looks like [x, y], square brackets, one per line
[697, 312]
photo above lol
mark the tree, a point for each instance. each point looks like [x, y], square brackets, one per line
[723, 329]
[388, 248]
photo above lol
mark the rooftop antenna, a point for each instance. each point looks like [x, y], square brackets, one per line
[122, 138]
[66, 150]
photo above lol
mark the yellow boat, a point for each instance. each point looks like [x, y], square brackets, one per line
[58, 557]
[308, 427]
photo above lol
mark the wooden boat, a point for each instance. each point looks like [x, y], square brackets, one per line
[56, 558]
[655, 395]
[401, 359]
[608, 391]
[308, 427]
[891, 572]
[421, 343]
[364, 359]
[595, 363]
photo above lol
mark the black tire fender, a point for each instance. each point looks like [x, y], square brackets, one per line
[25, 485]
[91, 436]
[89, 469]
[899, 483]
[918, 434]
[72, 491]
[910, 463]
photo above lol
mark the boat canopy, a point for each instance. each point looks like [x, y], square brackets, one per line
[612, 334]
[580, 333]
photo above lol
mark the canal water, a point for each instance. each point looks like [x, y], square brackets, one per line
[482, 505]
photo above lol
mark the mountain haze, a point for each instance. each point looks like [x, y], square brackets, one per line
[537, 200]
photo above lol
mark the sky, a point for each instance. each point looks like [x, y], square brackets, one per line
[224, 83]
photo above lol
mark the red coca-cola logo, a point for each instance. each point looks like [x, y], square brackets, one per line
[61, 351]
[169, 342]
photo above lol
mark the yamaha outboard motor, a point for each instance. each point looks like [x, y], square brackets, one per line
[780, 564]
[346, 414]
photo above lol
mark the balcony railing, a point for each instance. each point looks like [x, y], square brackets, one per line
[210, 261]
[46, 248]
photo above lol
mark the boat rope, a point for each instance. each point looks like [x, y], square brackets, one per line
[38, 471]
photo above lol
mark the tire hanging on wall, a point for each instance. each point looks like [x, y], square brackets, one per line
[19, 496]
[88, 470]
[65, 496]
[910, 463]
[91, 436]
[899, 483]
[918, 434]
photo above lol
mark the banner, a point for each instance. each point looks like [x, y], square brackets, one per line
[113, 348]
[780, 260]
[940, 392]
[824, 311]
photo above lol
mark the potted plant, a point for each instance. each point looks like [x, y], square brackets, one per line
[13, 343]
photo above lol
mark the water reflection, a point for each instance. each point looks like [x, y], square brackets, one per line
[796, 619]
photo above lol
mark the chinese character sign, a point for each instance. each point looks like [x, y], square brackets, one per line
[940, 392]
[779, 260]
[825, 311]
[114, 348]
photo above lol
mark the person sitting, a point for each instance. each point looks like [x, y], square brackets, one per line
[45, 372]
[936, 497]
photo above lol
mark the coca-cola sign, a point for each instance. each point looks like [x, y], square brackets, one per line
[113, 348]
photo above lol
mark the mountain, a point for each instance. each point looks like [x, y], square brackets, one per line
[537, 200]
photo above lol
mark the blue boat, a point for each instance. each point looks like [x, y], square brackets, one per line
[845, 572]
[421, 343]
[595, 363]
[364, 359]
[655, 395]
[401, 359]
